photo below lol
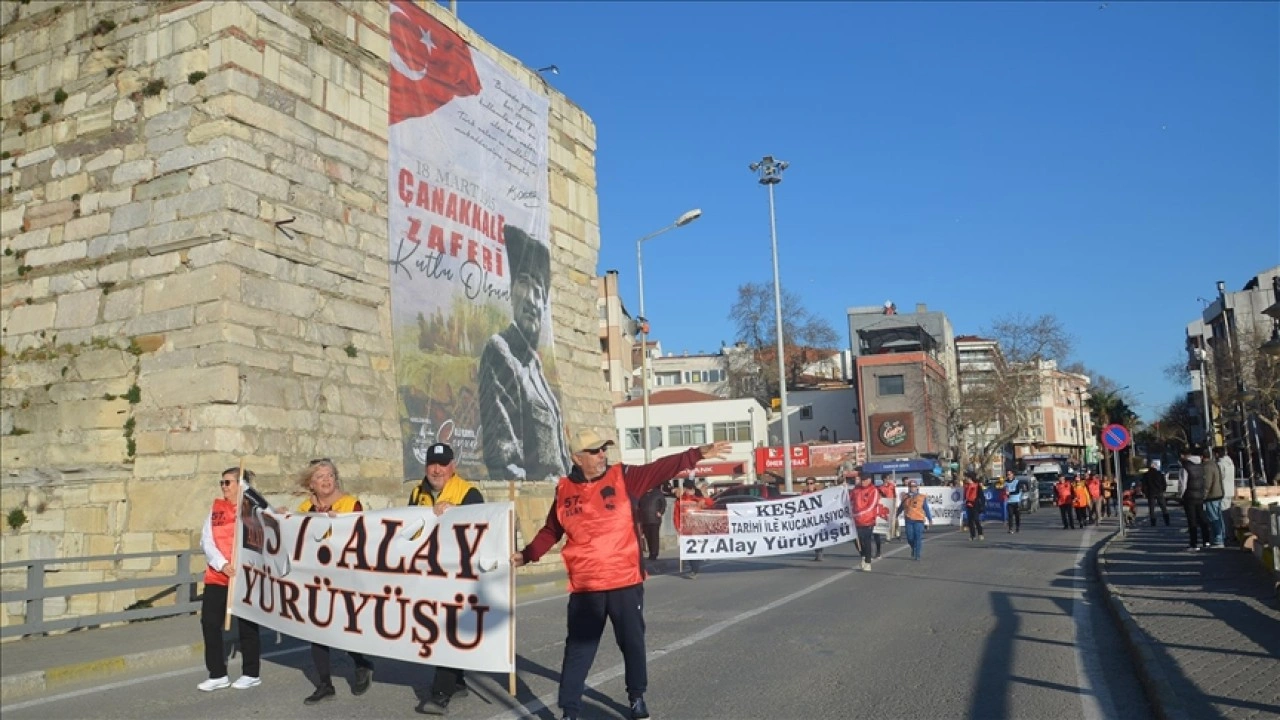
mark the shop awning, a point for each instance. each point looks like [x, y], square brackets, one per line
[898, 466]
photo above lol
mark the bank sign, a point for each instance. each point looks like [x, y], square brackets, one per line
[772, 458]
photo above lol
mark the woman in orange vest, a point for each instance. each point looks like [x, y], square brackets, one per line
[217, 540]
[1080, 501]
[1094, 486]
[915, 509]
[320, 479]
[688, 502]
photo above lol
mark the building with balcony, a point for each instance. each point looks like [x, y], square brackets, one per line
[1057, 420]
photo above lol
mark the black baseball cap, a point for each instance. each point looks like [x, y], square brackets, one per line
[439, 454]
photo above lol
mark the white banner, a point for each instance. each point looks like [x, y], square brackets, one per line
[885, 519]
[946, 504]
[772, 527]
[399, 583]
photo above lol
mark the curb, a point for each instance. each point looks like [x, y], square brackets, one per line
[13, 687]
[1155, 681]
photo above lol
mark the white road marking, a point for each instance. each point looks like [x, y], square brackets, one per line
[543, 703]
[1089, 675]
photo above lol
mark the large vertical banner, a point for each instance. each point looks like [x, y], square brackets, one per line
[469, 231]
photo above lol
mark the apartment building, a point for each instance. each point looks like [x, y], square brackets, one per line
[1057, 419]
[980, 365]
[681, 418]
[617, 328]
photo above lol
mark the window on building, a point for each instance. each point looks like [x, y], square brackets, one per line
[684, 435]
[635, 438]
[891, 385]
[666, 378]
[806, 412]
[604, 310]
[731, 431]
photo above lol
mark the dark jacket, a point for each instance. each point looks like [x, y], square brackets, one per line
[652, 505]
[1153, 483]
[1195, 488]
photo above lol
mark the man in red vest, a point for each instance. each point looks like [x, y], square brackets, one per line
[593, 507]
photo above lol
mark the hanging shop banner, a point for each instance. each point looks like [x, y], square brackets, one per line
[772, 527]
[400, 583]
[470, 261]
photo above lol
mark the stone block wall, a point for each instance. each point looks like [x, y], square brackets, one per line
[193, 221]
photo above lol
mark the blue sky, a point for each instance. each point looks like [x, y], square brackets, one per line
[1106, 166]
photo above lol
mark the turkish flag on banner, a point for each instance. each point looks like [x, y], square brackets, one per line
[430, 64]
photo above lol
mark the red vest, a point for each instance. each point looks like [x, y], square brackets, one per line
[223, 520]
[887, 489]
[601, 551]
[1062, 492]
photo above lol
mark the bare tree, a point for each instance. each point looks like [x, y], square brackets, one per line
[1248, 379]
[993, 409]
[806, 339]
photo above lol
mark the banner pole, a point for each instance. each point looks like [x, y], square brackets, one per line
[511, 649]
[235, 548]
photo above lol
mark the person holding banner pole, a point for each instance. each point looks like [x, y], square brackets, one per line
[887, 490]
[594, 508]
[441, 488]
[914, 508]
[217, 540]
[811, 486]
[690, 501]
[865, 502]
[321, 481]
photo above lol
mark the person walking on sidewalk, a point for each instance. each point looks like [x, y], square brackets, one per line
[652, 505]
[811, 486]
[864, 500]
[1193, 482]
[1062, 496]
[1227, 469]
[593, 508]
[442, 488]
[1213, 494]
[217, 539]
[915, 510]
[689, 502]
[975, 502]
[322, 482]
[1153, 483]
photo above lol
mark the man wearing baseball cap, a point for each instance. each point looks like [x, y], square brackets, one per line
[593, 508]
[441, 488]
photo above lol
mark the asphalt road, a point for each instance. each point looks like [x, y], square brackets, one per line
[1012, 627]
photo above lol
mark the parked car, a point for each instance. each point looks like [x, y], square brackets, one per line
[756, 491]
[1171, 484]
[1030, 493]
[724, 501]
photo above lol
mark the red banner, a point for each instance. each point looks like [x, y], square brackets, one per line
[771, 458]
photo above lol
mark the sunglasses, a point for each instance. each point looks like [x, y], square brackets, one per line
[317, 461]
[596, 451]
[227, 483]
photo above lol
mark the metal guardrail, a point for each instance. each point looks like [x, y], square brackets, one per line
[182, 583]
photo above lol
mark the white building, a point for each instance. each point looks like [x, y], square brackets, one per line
[829, 415]
[682, 418]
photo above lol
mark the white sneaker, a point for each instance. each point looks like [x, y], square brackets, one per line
[245, 682]
[865, 566]
[214, 684]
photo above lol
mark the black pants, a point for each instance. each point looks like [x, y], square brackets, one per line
[320, 656]
[213, 611]
[1014, 513]
[624, 608]
[1068, 523]
[651, 539]
[973, 520]
[866, 538]
[1197, 522]
[1152, 501]
[1082, 516]
[447, 681]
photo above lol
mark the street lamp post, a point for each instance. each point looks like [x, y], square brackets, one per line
[1203, 357]
[681, 221]
[1080, 393]
[770, 172]
[751, 430]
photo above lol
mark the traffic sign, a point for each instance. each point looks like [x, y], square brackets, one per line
[1115, 437]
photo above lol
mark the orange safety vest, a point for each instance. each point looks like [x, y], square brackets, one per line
[913, 506]
[601, 551]
[223, 520]
[1082, 496]
[1095, 487]
[1062, 491]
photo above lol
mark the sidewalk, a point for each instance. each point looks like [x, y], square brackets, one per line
[37, 664]
[1202, 627]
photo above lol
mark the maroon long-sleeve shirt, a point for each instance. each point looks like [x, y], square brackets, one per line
[639, 480]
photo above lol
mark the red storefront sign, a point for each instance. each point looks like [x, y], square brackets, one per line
[770, 458]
